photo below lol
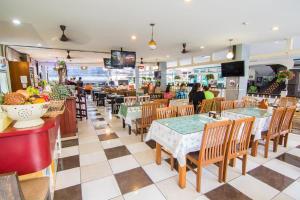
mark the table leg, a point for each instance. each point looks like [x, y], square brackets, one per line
[123, 120]
[182, 176]
[254, 147]
[129, 129]
[158, 153]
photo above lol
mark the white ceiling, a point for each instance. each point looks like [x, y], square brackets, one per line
[102, 25]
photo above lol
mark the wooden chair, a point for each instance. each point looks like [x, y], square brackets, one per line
[226, 105]
[146, 120]
[144, 99]
[163, 113]
[33, 189]
[81, 106]
[273, 131]
[238, 143]
[165, 102]
[155, 106]
[206, 105]
[287, 101]
[217, 104]
[250, 101]
[130, 100]
[185, 110]
[286, 124]
[168, 112]
[238, 104]
[213, 149]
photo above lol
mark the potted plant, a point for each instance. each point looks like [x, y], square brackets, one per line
[284, 75]
[177, 77]
[61, 69]
[210, 76]
[252, 89]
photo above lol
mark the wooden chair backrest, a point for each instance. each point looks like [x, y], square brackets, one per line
[275, 122]
[238, 104]
[130, 100]
[217, 103]
[144, 99]
[162, 101]
[162, 113]
[226, 105]
[155, 106]
[9, 187]
[240, 134]
[147, 114]
[206, 105]
[214, 141]
[287, 119]
[287, 101]
[185, 110]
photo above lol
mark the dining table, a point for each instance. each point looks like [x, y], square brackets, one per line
[129, 113]
[179, 136]
[262, 121]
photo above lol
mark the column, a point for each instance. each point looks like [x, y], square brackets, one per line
[163, 81]
[243, 53]
[137, 77]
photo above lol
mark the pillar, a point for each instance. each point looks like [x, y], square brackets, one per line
[243, 53]
[163, 81]
[137, 77]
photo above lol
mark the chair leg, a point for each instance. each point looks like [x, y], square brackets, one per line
[142, 133]
[172, 162]
[275, 144]
[267, 148]
[286, 139]
[158, 154]
[244, 164]
[221, 167]
[198, 180]
[280, 139]
[225, 167]
[254, 147]
[232, 162]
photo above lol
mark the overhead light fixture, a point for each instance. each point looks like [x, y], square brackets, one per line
[187, 0]
[152, 43]
[83, 67]
[133, 37]
[275, 28]
[16, 22]
[141, 65]
[39, 44]
[230, 54]
[167, 56]
[202, 47]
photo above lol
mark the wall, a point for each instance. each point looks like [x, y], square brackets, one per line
[17, 69]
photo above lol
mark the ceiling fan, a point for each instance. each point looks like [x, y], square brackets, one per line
[63, 37]
[183, 51]
[68, 56]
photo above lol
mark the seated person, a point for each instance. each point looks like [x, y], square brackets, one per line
[208, 94]
[168, 94]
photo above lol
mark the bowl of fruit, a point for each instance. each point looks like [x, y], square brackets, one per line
[26, 107]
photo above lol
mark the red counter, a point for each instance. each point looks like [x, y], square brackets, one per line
[28, 150]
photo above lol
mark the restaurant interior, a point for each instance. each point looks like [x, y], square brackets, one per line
[181, 99]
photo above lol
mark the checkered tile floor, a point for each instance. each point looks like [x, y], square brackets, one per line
[104, 162]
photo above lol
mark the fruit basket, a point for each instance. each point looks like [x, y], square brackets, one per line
[27, 115]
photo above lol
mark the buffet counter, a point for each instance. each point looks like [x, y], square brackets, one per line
[29, 150]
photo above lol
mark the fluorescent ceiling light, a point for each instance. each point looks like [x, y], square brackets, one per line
[133, 37]
[202, 47]
[16, 22]
[275, 28]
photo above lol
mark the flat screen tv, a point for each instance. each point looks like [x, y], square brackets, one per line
[157, 75]
[107, 62]
[121, 59]
[233, 69]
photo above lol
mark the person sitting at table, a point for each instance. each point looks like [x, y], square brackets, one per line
[168, 94]
[207, 93]
[196, 96]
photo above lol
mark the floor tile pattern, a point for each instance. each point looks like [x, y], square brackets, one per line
[104, 162]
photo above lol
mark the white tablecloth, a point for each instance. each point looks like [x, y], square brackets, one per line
[132, 114]
[177, 144]
[260, 124]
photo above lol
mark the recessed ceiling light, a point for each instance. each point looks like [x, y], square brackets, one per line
[187, 0]
[275, 28]
[39, 44]
[16, 22]
[167, 56]
[202, 47]
[133, 37]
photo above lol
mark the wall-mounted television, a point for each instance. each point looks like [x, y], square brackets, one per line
[121, 59]
[157, 75]
[236, 68]
[107, 63]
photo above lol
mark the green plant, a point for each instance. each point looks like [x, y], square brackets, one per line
[284, 75]
[210, 76]
[1, 98]
[252, 89]
[177, 77]
[59, 92]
